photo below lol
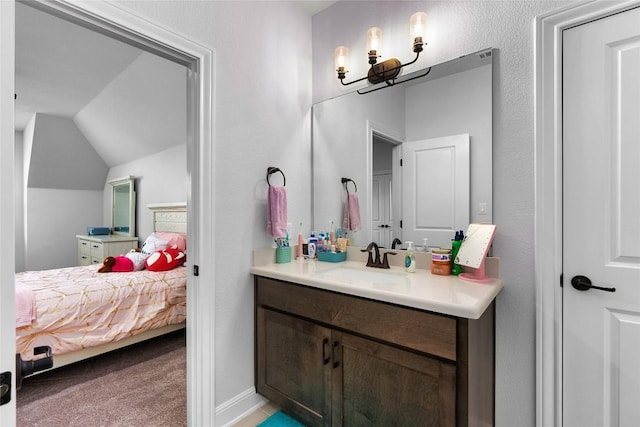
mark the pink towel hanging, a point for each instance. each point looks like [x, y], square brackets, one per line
[276, 206]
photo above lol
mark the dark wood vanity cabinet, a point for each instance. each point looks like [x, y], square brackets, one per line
[331, 359]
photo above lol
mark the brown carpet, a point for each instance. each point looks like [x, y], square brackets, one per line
[142, 385]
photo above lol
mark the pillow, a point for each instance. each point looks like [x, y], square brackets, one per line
[165, 260]
[153, 244]
[174, 240]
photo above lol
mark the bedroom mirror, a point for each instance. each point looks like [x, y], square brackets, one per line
[365, 138]
[123, 212]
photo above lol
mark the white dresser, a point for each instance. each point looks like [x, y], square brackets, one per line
[94, 249]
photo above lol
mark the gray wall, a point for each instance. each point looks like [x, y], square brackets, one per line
[62, 192]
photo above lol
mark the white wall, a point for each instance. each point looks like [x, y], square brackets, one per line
[160, 178]
[262, 118]
[457, 28]
[141, 111]
[53, 219]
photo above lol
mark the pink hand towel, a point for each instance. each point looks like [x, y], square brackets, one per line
[351, 215]
[277, 211]
[25, 305]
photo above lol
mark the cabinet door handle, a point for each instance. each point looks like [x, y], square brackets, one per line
[325, 355]
[336, 362]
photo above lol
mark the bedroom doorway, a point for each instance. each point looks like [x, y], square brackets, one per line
[199, 60]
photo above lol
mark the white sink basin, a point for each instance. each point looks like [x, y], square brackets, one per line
[366, 277]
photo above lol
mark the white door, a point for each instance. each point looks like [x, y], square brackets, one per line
[601, 222]
[381, 220]
[435, 189]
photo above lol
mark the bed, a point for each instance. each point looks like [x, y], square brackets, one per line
[81, 313]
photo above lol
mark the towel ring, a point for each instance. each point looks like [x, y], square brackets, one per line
[271, 170]
[346, 181]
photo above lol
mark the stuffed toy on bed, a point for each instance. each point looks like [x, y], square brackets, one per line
[165, 259]
[132, 261]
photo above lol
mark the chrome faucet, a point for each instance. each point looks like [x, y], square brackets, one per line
[395, 242]
[375, 263]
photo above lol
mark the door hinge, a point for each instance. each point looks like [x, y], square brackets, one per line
[400, 162]
[400, 223]
[196, 270]
[561, 280]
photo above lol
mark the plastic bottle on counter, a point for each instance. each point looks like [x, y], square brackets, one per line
[312, 244]
[410, 258]
[455, 247]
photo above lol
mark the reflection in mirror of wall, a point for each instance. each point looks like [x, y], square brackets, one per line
[123, 213]
[455, 98]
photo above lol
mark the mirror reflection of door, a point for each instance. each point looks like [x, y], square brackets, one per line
[435, 199]
[382, 202]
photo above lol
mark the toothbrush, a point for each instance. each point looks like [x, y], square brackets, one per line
[332, 236]
[300, 241]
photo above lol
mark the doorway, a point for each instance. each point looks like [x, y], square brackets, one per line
[117, 23]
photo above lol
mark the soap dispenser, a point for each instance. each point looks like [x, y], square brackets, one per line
[410, 258]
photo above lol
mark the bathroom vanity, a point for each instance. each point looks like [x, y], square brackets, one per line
[343, 344]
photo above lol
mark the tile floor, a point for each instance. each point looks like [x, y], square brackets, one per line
[257, 416]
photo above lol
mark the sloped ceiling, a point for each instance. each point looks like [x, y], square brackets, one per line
[128, 103]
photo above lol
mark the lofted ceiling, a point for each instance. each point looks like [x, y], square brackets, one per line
[128, 103]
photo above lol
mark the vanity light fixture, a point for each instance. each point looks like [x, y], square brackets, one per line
[388, 70]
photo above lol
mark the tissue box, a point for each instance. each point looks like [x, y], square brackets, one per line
[98, 231]
[332, 256]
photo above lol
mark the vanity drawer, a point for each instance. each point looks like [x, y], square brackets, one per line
[414, 329]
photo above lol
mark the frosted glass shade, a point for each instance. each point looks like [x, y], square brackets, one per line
[341, 58]
[374, 39]
[418, 27]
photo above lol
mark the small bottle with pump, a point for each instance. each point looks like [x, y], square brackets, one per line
[410, 258]
[313, 241]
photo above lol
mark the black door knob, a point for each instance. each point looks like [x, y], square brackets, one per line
[583, 283]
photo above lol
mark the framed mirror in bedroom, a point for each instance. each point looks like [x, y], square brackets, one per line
[123, 206]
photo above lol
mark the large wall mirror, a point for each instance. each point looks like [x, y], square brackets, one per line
[123, 206]
[439, 127]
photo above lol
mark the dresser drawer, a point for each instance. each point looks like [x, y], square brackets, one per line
[94, 249]
[84, 247]
[97, 250]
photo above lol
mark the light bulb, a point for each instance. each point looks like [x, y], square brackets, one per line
[374, 39]
[418, 27]
[341, 58]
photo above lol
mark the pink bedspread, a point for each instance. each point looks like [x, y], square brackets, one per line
[77, 307]
[25, 305]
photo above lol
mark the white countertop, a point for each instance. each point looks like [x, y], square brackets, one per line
[421, 289]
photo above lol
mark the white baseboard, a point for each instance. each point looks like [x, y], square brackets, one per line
[238, 407]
